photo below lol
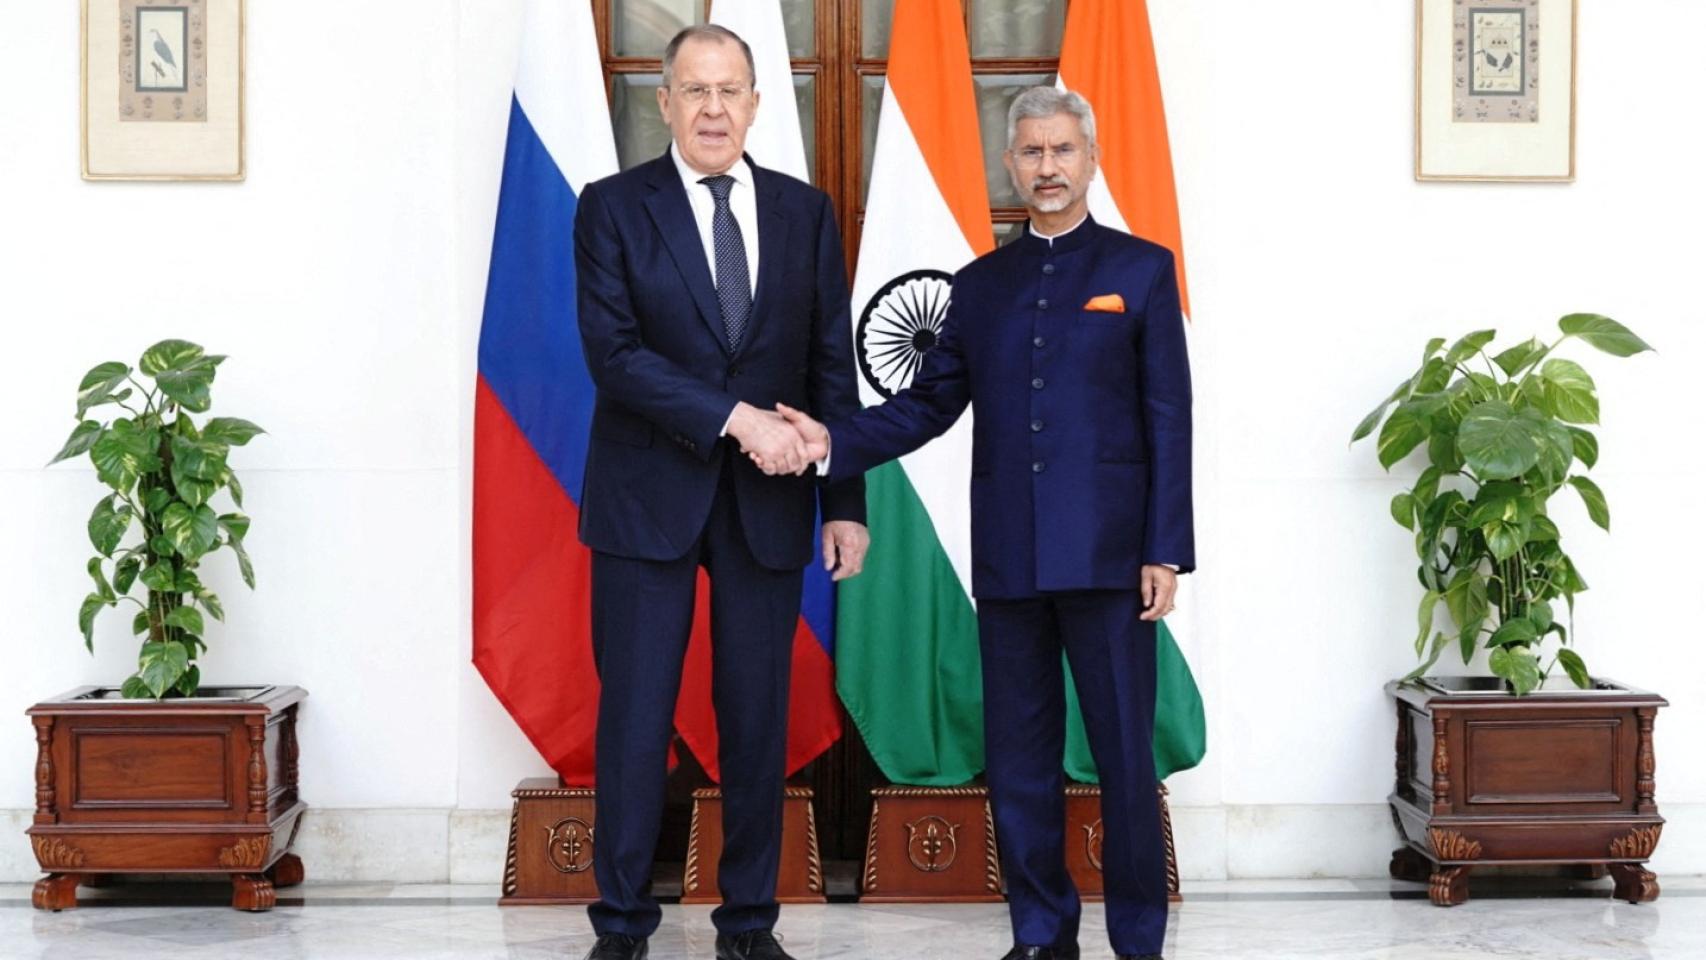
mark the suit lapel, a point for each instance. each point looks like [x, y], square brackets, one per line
[772, 244]
[667, 203]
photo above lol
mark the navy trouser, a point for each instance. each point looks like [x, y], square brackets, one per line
[642, 613]
[1112, 654]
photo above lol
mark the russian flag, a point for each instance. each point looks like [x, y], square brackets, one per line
[532, 414]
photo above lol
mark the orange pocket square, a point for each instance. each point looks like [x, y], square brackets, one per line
[1107, 303]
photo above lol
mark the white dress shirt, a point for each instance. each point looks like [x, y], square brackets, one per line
[743, 203]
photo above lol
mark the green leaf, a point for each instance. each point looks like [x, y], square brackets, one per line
[1442, 451]
[162, 664]
[190, 386]
[1425, 619]
[1433, 658]
[162, 546]
[1468, 641]
[1605, 333]
[1435, 374]
[187, 619]
[230, 431]
[191, 680]
[1557, 447]
[1573, 665]
[1433, 347]
[139, 623]
[155, 500]
[1504, 538]
[124, 575]
[107, 525]
[97, 573]
[1495, 442]
[243, 565]
[1427, 486]
[187, 582]
[1539, 613]
[135, 689]
[1404, 510]
[1466, 598]
[1518, 630]
[192, 532]
[124, 452]
[210, 602]
[236, 525]
[196, 492]
[160, 576]
[1569, 391]
[230, 479]
[1369, 422]
[169, 355]
[1469, 346]
[1404, 431]
[1514, 360]
[1594, 497]
[98, 385]
[93, 604]
[1519, 667]
[82, 438]
[1585, 446]
[1541, 529]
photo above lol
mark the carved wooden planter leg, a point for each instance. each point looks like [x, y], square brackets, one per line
[1449, 886]
[1635, 883]
[56, 891]
[252, 892]
[287, 872]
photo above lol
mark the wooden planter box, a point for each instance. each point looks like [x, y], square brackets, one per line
[551, 834]
[1562, 776]
[799, 877]
[931, 845]
[1084, 841]
[192, 786]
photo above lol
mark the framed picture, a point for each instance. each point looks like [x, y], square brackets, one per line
[162, 89]
[1496, 90]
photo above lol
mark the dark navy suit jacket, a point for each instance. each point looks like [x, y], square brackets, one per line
[1081, 437]
[653, 336]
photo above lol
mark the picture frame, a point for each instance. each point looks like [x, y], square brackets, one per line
[1496, 90]
[162, 90]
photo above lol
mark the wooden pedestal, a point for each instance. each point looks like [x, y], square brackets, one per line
[1556, 777]
[799, 879]
[931, 844]
[206, 784]
[550, 844]
[1084, 841]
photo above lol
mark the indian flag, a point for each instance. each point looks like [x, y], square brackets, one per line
[906, 656]
[1108, 56]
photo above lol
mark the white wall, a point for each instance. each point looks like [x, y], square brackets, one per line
[346, 276]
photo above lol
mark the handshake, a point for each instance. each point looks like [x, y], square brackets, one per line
[783, 441]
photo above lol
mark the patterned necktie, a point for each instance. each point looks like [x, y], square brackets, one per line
[734, 286]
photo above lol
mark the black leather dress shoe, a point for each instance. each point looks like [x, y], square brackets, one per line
[750, 945]
[1041, 953]
[618, 946]
[1140, 956]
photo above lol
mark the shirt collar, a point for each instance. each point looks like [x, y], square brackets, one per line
[1069, 239]
[741, 171]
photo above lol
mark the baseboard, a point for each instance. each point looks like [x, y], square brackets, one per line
[1279, 842]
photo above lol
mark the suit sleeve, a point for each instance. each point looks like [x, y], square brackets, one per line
[830, 377]
[1169, 534]
[621, 365]
[939, 393]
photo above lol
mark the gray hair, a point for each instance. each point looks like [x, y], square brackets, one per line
[1038, 102]
[705, 31]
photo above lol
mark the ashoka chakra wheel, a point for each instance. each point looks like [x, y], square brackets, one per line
[899, 326]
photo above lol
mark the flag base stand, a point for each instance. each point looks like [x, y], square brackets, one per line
[799, 879]
[550, 844]
[931, 845]
[1084, 841]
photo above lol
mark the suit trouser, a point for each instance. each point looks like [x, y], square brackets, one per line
[642, 613]
[1112, 655]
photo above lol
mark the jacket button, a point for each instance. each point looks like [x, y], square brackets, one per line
[1048, 269]
[1037, 467]
[1039, 342]
[1037, 384]
[734, 372]
[1042, 304]
[1036, 426]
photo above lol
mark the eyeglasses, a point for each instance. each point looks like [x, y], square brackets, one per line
[698, 92]
[1064, 154]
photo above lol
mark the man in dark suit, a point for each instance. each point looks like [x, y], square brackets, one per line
[1070, 345]
[710, 290]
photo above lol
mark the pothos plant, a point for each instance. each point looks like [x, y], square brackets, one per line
[1503, 433]
[158, 524]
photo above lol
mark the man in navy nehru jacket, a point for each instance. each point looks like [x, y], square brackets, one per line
[1070, 344]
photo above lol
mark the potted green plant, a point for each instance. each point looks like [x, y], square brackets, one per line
[1522, 767]
[162, 774]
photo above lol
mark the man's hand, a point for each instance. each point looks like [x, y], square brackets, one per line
[811, 435]
[769, 440]
[846, 541]
[1159, 584]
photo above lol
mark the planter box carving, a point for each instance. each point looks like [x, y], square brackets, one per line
[206, 784]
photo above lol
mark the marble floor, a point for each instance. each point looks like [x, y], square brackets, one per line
[1328, 920]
